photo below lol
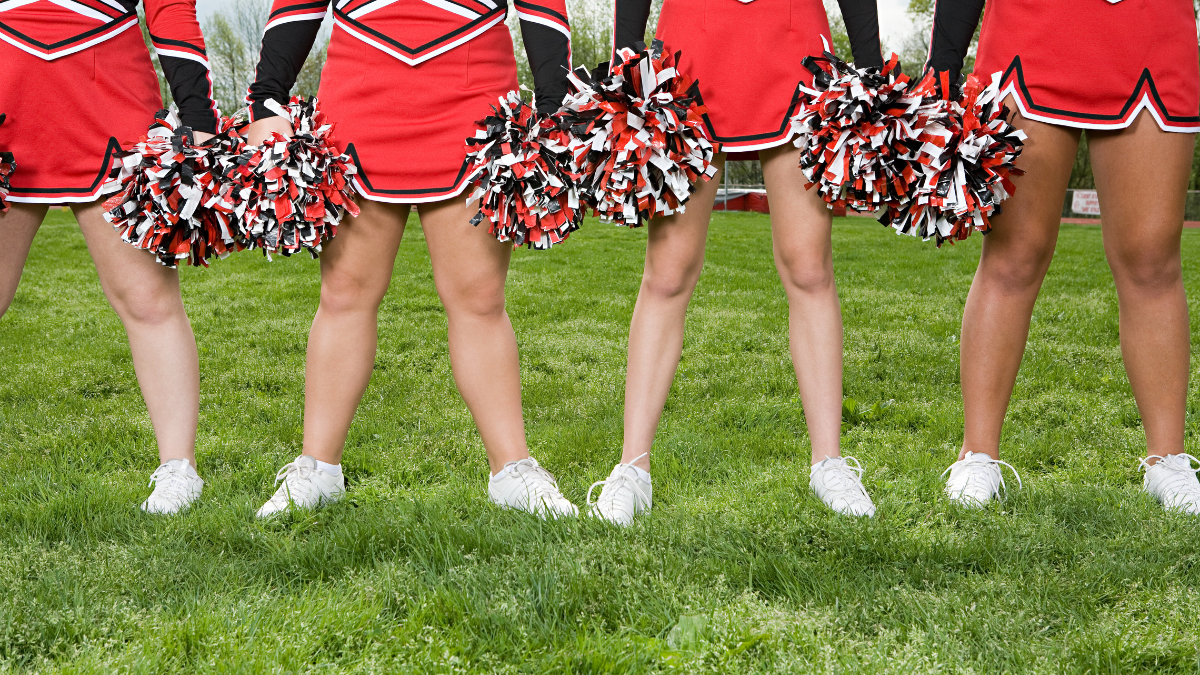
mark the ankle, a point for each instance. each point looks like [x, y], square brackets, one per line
[497, 461]
[818, 457]
[636, 459]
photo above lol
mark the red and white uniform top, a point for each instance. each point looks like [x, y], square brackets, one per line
[53, 29]
[1090, 64]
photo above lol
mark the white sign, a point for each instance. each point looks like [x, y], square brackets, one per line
[1086, 202]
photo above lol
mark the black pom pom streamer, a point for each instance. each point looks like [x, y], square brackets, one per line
[290, 194]
[523, 192]
[855, 127]
[164, 188]
[638, 143]
[7, 166]
[962, 170]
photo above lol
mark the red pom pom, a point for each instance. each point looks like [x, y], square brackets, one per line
[961, 173]
[523, 191]
[639, 143]
[290, 194]
[854, 128]
[165, 185]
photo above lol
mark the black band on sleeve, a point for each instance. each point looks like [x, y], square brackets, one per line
[862, 26]
[954, 23]
[284, 50]
[629, 23]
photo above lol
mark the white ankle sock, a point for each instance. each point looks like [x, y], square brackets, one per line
[334, 470]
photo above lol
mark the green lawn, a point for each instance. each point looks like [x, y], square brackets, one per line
[739, 569]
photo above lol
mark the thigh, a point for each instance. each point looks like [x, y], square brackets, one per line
[361, 257]
[19, 224]
[1029, 219]
[1142, 175]
[675, 244]
[801, 221]
[126, 273]
[466, 258]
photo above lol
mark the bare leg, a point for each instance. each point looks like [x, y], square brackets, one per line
[674, 258]
[801, 231]
[146, 297]
[356, 269]
[469, 268]
[19, 225]
[1142, 175]
[1016, 255]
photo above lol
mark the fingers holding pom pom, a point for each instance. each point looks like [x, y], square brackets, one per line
[165, 187]
[638, 137]
[290, 194]
[524, 189]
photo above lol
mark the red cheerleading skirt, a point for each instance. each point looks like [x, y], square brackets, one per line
[406, 126]
[67, 116]
[1095, 64]
[746, 59]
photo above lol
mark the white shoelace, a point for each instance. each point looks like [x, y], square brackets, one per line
[1179, 474]
[300, 472]
[975, 475]
[622, 481]
[537, 481]
[844, 477]
[172, 481]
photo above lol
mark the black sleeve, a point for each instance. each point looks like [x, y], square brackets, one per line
[862, 26]
[954, 23]
[629, 23]
[546, 31]
[179, 44]
[291, 31]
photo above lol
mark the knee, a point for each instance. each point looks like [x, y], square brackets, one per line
[670, 281]
[1016, 271]
[1147, 269]
[806, 273]
[148, 308]
[474, 299]
[349, 293]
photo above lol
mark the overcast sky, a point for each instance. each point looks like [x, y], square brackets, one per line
[893, 22]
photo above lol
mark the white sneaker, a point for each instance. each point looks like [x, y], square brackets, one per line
[975, 480]
[525, 486]
[626, 493]
[839, 485]
[1172, 481]
[304, 486]
[176, 486]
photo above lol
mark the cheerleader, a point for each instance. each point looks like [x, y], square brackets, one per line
[77, 84]
[746, 58]
[405, 82]
[1128, 75]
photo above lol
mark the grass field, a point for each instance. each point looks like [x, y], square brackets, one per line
[739, 568]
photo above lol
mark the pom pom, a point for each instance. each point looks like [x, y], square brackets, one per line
[291, 193]
[7, 166]
[854, 127]
[638, 143]
[962, 170]
[518, 154]
[164, 188]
